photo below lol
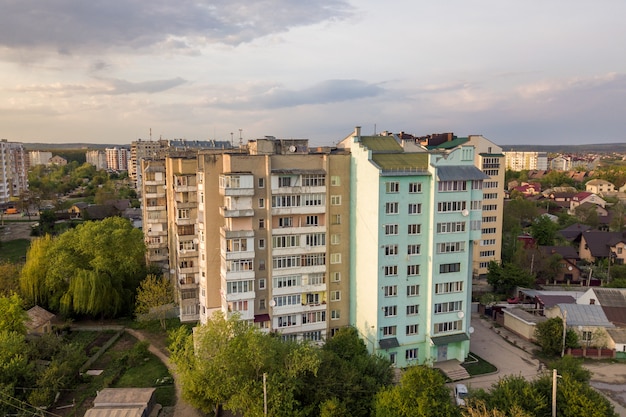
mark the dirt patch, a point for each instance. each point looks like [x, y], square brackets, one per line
[16, 230]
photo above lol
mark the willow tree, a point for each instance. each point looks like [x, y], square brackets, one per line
[34, 271]
[93, 269]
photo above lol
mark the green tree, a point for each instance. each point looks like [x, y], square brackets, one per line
[505, 278]
[93, 269]
[16, 370]
[223, 363]
[154, 296]
[572, 366]
[544, 230]
[514, 395]
[617, 220]
[9, 278]
[12, 315]
[421, 393]
[479, 409]
[549, 335]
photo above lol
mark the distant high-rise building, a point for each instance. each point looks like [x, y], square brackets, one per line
[39, 158]
[518, 161]
[97, 158]
[13, 170]
[117, 158]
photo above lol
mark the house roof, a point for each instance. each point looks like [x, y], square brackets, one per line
[585, 315]
[401, 161]
[567, 252]
[129, 397]
[38, 316]
[381, 144]
[598, 241]
[582, 195]
[618, 335]
[455, 173]
[611, 297]
[550, 300]
[524, 315]
[574, 231]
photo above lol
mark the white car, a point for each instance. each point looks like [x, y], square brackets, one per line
[460, 393]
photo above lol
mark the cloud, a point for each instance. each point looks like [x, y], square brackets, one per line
[70, 27]
[273, 97]
[103, 86]
[156, 86]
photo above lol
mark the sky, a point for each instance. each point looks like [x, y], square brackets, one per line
[111, 72]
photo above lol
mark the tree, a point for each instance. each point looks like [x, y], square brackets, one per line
[549, 335]
[505, 278]
[514, 395]
[544, 230]
[479, 409]
[12, 314]
[93, 269]
[9, 278]
[153, 298]
[421, 393]
[222, 365]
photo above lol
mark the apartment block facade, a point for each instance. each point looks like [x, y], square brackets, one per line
[117, 158]
[518, 161]
[374, 233]
[13, 170]
[97, 159]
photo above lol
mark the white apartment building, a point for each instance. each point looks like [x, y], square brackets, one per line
[518, 161]
[13, 170]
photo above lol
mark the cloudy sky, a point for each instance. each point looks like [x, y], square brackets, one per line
[517, 72]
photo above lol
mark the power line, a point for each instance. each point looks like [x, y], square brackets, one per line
[39, 410]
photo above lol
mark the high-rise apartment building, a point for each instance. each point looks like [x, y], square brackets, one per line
[380, 233]
[117, 158]
[13, 170]
[96, 158]
[518, 161]
[39, 158]
[139, 150]
[416, 215]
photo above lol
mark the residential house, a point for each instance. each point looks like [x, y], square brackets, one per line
[586, 197]
[562, 264]
[600, 187]
[589, 321]
[124, 402]
[595, 245]
[39, 320]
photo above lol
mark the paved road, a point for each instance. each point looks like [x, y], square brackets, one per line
[609, 378]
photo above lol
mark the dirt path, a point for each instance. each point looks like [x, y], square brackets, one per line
[182, 408]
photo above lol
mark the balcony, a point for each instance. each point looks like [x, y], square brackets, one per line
[299, 190]
[298, 230]
[277, 211]
[229, 234]
[237, 192]
[226, 212]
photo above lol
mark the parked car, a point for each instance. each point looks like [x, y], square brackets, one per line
[460, 393]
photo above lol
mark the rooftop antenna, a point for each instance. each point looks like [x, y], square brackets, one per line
[231, 140]
[240, 139]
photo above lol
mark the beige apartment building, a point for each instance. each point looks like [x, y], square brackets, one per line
[261, 232]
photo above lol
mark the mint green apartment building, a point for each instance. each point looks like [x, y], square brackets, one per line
[415, 216]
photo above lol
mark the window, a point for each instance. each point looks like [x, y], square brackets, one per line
[412, 290]
[487, 253]
[287, 321]
[312, 220]
[390, 290]
[393, 358]
[335, 258]
[236, 245]
[261, 203]
[446, 268]
[449, 247]
[261, 183]
[415, 187]
[489, 219]
[315, 259]
[476, 205]
[261, 243]
[335, 200]
[490, 196]
[476, 224]
[182, 245]
[411, 329]
[238, 305]
[287, 281]
[413, 249]
[336, 277]
[415, 208]
[415, 229]
[391, 270]
[262, 283]
[313, 180]
[261, 223]
[314, 199]
[388, 330]
[412, 310]
[411, 354]
[586, 336]
[183, 213]
[448, 326]
[412, 270]
[448, 186]
[279, 201]
[335, 180]
[391, 208]
[315, 336]
[335, 296]
[285, 241]
[239, 265]
[390, 311]
[315, 239]
[451, 206]
[451, 227]
[335, 239]
[186, 229]
[262, 305]
[289, 261]
[392, 187]
[285, 222]
[236, 287]
[335, 314]
[488, 230]
[316, 279]
[284, 181]
[448, 307]
[391, 250]
[448, 287]
[314, 317]
[336, 219]
[391, 229]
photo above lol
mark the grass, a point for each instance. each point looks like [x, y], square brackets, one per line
[14, 250]
[478, 366]
[151, 373]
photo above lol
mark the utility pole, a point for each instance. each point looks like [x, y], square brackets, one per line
[265, 393]
[554, 376]
[564, 332]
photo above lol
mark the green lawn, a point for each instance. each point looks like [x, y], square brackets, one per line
[475, 365]
[14, 250]
[151, 373]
